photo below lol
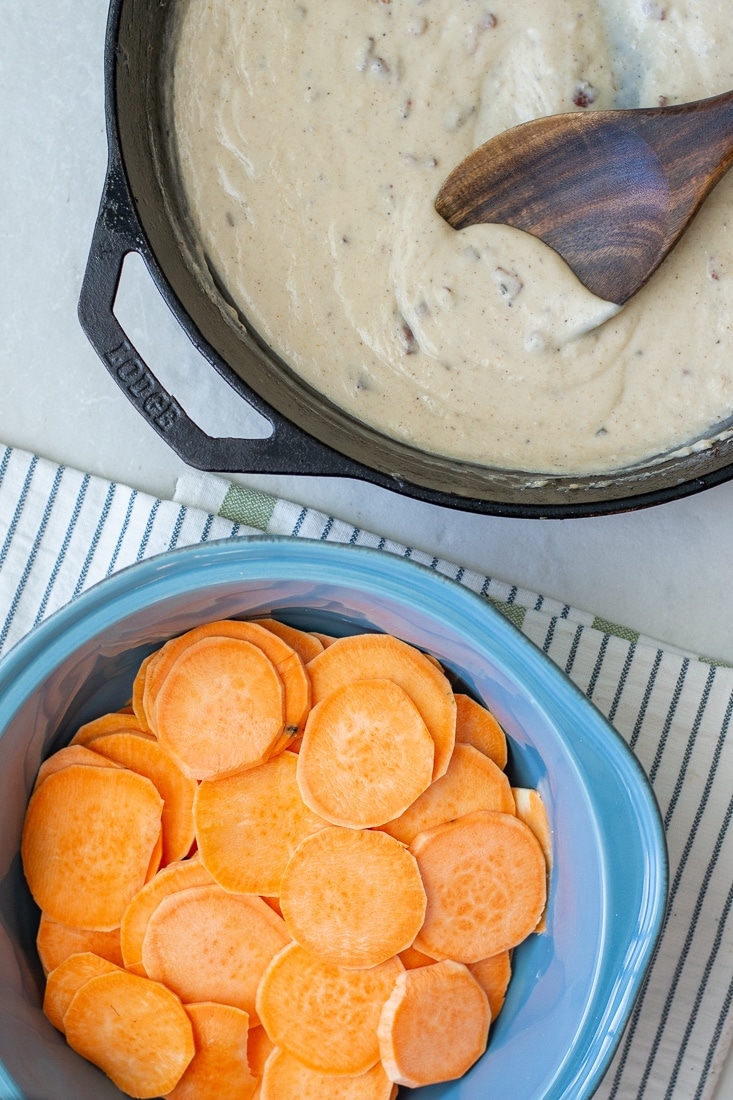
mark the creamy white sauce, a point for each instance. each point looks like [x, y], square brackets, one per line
[312, 138]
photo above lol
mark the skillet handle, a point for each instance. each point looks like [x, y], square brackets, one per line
[288, 450]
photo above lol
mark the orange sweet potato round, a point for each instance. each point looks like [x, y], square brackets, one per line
[366, 754]
[88, 838]
[135, 1030]
[285, 1078]
[220, 708]
[484, 877]
[248, 825]
[375, 656]
[352, 897]
[434, 1025]
[323, 1015]
[208, 945]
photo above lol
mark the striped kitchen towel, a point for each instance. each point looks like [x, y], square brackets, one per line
[62, 531]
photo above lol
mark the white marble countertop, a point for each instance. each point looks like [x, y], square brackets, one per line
[664, 571]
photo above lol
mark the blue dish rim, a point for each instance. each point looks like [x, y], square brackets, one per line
[176, 572]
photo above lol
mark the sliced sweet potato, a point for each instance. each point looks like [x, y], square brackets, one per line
[380, 656]
[146, 699]
[66, 978]
[530, 809]
[149, 758]
[366, 754]
[304, 644]
[325, 639]
[56, 942]
[208, 945]
[472, 782]
[286, 1078]
[107, 723]
[72, 754]
[300, 847]
[248, 825]
[323, 1015]
[155, 858]
[352, 897]
[434, 1025]
[259, 1048]
[138, 688]
[493, 976]
[176, 876]
[135, 1030]
[88, 837]
[288, 663]
[475, 725]
[219, 1069]
[274, 903]
[220, 708]
[484, 876]
[411, 958]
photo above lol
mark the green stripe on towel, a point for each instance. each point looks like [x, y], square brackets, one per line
[248, 506]
[617, 631]
[514, 612]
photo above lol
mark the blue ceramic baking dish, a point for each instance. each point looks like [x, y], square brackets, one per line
[572, 988]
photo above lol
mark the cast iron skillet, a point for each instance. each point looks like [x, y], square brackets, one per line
[141, 212]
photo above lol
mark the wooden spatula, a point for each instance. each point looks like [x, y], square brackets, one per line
[611, 191]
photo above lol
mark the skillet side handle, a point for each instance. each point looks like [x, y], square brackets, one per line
[288, 450]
